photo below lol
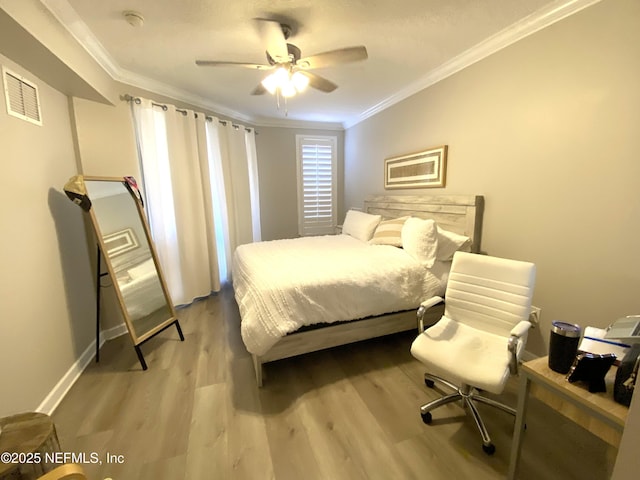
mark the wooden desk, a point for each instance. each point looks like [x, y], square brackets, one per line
[596, 412]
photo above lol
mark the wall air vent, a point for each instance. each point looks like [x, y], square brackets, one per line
[22, 97]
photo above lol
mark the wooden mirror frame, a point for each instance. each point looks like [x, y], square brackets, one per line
[138, 338]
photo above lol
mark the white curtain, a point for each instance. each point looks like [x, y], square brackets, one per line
[239, 196]
[240, 173]
[198, 178]
[254, 190]
[216, 176]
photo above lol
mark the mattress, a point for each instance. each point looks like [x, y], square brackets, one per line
[283, 285]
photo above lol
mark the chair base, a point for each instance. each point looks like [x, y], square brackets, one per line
[468, 396]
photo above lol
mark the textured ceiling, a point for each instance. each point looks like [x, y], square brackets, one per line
[405, 39]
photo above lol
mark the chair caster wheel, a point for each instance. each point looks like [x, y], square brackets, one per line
[489, 449]
[429, 383]
[426, 417]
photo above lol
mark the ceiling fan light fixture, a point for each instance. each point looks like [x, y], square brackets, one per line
[300, 81]
[290, 73]
[269, 83]
[276, 80]
[288, 90]
[285, 82]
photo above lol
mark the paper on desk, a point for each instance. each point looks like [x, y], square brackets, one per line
[593, 341]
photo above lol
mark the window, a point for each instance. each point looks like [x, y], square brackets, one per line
[316, 184]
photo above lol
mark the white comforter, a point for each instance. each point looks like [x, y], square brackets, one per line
[284, 284]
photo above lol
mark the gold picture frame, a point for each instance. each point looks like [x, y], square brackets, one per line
[426, 169]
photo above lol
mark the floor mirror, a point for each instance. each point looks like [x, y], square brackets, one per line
[126, 249]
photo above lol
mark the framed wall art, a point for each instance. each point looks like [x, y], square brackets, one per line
[417, 170]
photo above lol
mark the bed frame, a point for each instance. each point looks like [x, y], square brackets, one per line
[457, 213]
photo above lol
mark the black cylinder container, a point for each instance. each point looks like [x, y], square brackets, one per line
[563, 345]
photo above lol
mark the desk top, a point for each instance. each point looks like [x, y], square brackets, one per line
[602, 402]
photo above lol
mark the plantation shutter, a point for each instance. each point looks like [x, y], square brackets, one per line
[316, 185]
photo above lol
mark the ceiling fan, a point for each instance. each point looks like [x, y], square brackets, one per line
[291, 73]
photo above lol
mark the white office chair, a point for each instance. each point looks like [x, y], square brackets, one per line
[477, 343]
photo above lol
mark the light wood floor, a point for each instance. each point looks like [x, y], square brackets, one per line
[346, 413]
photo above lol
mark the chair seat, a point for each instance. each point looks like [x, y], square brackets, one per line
[480, 359]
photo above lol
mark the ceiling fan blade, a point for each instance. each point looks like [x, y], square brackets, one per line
[334, 57]
[273, 38]
[319, 83]
[259, 90]
[215, 63]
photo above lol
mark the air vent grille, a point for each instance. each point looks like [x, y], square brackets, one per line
[22, 97]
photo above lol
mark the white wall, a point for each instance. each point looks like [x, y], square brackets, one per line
[105, 139]
[48, 314]
[547, 131]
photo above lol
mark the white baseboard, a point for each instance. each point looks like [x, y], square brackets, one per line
[51, 402]
[114, 332]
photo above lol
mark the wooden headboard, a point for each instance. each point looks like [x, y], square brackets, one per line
[457, 213]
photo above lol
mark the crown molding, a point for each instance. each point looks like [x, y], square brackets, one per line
[548, 15]
[529, 25]
[133, 79]
[68, 17]
[290, 123]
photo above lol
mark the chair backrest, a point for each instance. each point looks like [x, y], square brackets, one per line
[489, 293]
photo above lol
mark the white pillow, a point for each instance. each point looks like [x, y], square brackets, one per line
[450, 243]
[389, 232]
[360, 225]
[420, 240]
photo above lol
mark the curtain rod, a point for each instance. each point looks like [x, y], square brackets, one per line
[138, 101]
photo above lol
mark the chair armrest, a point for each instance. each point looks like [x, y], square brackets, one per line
[520, 329]
[430, 302]
[66, 471]
[513, 346]
[424, 306]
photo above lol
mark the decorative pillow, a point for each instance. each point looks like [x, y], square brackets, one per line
[420, 240]
[360, 225]
[389, 232]
[449, 243]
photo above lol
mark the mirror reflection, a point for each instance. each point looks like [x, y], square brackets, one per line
[127, 249]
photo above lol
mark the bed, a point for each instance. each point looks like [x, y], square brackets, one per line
[300, 295]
